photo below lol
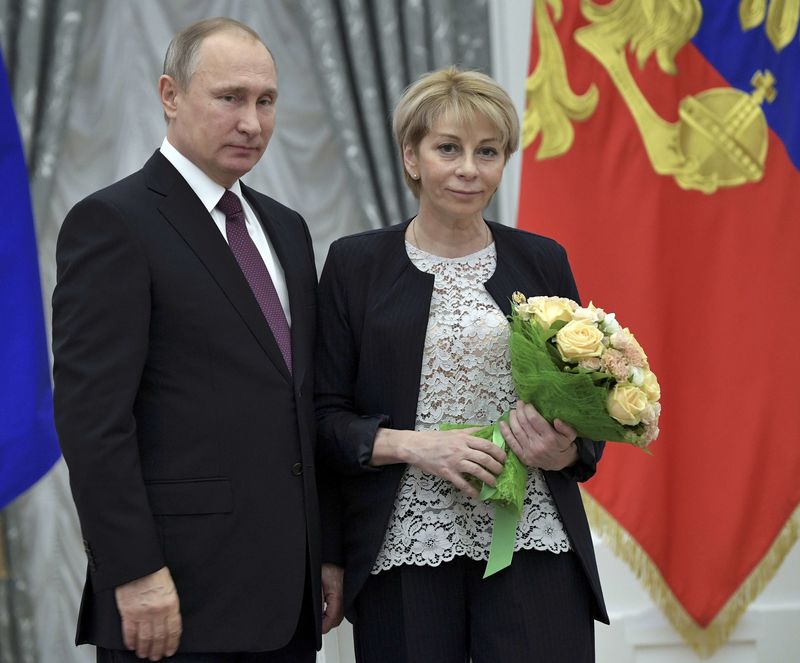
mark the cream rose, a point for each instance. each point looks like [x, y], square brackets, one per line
[650, 387]
[626, 403]
[578, 340]
[549, 309]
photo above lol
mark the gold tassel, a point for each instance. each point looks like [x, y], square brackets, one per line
[704, 641]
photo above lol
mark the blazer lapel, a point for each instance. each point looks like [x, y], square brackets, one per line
[506, 279]
[516, 270]
[403, 311]
[184, 211]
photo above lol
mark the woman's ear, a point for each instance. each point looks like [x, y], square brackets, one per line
[410, 162]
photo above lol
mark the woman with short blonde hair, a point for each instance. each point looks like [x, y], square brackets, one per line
[413, 334]
[461, 94]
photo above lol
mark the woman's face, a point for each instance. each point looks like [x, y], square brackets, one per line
[459, 168]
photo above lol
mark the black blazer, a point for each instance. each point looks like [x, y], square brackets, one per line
[373, 317]
[188, 442]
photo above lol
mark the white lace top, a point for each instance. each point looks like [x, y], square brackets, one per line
[466, 378]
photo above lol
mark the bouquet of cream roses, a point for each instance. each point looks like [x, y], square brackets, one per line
[579, 365]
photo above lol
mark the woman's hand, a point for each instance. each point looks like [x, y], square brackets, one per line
[536, 442]
[453, 454]
[450, 455]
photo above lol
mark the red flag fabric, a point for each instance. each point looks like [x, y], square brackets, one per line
[662, 158]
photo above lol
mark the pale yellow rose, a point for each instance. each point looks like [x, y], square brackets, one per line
[650, 387]
[578, 340]
[549, 309]
[626, 403]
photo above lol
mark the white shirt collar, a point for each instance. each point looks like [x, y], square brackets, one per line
[206, 189]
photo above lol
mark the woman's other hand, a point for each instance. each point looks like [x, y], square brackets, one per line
[536, 442]
[452, 455]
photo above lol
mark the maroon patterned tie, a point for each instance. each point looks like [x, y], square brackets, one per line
[255, 271]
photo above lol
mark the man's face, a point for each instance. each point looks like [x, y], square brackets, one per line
[224, 119]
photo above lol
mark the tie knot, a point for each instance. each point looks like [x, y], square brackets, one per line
[230, 204]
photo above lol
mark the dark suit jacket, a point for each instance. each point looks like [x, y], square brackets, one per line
[188, 442]
[372, 321]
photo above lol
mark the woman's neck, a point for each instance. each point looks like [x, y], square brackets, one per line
[448, 239]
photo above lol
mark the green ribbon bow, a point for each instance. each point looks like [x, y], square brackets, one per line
[508, 495]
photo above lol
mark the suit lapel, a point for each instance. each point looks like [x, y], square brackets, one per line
[184, 211]
[290, 252]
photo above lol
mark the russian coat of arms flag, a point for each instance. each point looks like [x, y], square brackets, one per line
[662, 149]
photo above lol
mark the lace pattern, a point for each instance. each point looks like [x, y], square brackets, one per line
[466, 344]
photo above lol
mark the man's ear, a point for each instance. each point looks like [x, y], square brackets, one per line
[168, 91]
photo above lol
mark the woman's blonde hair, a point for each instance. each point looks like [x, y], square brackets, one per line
[461, 95]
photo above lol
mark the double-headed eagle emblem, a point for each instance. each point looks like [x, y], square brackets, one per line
[721, 136]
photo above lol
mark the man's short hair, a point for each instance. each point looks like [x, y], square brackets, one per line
[183, 51]
[463, 95]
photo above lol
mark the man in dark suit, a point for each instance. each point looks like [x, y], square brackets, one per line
[183, 326]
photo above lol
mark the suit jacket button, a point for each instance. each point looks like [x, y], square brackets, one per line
[297, 469]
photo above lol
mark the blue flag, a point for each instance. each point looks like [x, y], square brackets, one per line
[28, 443]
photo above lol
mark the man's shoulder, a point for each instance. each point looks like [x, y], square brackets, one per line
[122, 198]
[127, 187]
[131, 190]
[131, 202]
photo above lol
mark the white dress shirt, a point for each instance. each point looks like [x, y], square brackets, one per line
[209, 193]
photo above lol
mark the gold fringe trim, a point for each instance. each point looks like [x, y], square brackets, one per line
[704, 641]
